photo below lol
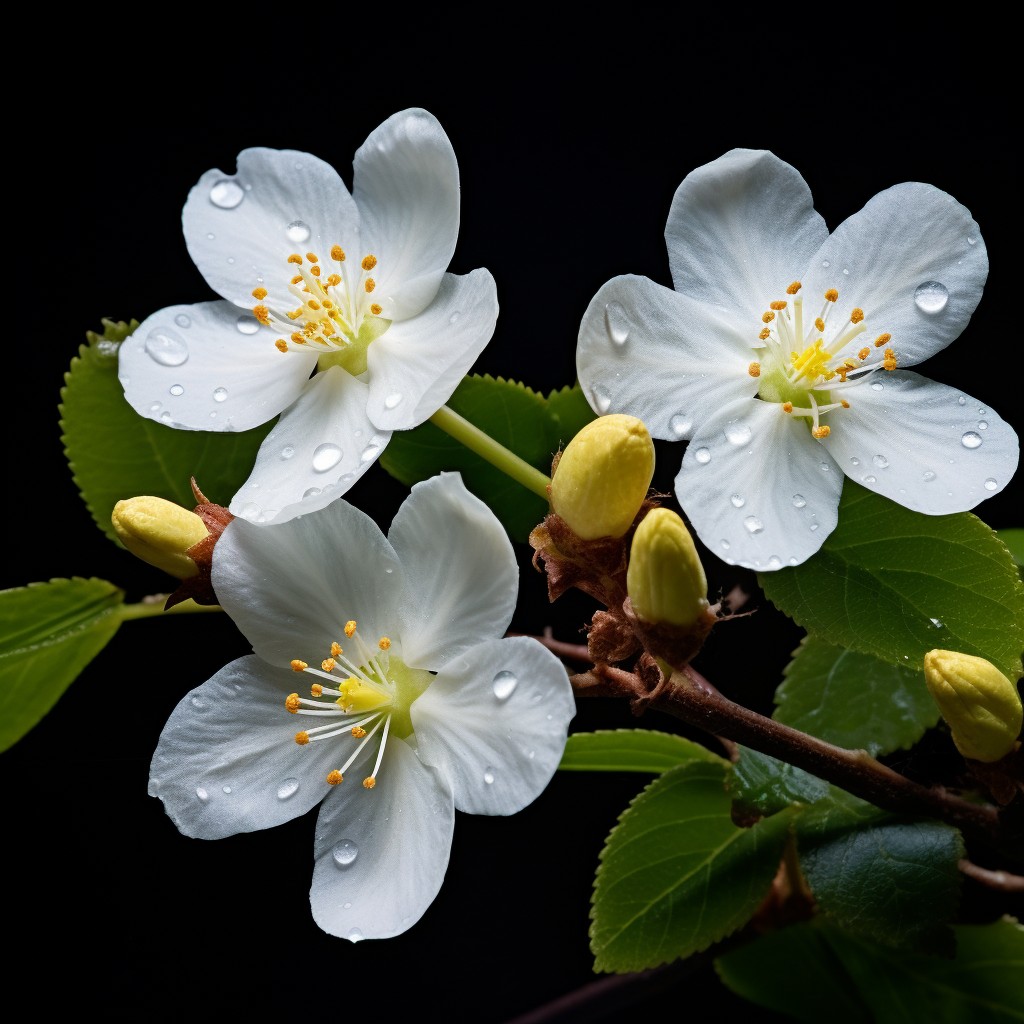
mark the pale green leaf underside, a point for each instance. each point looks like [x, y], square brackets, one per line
[631, 750]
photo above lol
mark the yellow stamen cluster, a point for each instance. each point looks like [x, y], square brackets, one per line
[358, 731]
[334, 777]
[327, 664]
[793, 288]
[369, 782]
[298, 666]
[821, 432]
[350, 628]
[302, 738]
[292, 703]
[384, 643]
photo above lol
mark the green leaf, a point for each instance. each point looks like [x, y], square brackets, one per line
[49, 632]
[854, 700]
[897, 584]
[763, 973]
[115, 453]
[1014, 541]
[891, 880]
[531, 426]
[631, 750]
[766, 785]
[981, 984]
[676, 874]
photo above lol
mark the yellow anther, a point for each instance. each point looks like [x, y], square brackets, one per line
[831, 295]
[844, 403]
[370, 284]
[369, 782]
[787, 406]
[864, 353]
[291, 703]
[334, 279]
[259, 293]
[313, 304]
[882, 339]
[767, 317]
[335, 649]
[327, 664]
[312, 257]
[302, 738]
[376, 309]
[298, 666]
[822, 431]
[315, 271]
[297, 279]
[777, 305]
[262, 314]
[819, 324]
[889, 362]
[857, 315]
[754, 369]
[333, 778]
[327, 327]
[337, 253]
[369, 262]
[295, 258]
[281, 345]
[794, 288]
[294, 314]
[298, 339]
[384, 643]
[358, 731]
[350, 628]
[765, 333]
[316, 690]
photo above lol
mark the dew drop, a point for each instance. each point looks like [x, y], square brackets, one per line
[297, 231]
[287, 788]
[326, 456]
[928, 476]
[226, 194]
[616, 323]
[198, 703]
[370, 452]
[880, 461]
[601, 399]
[876, 386]
[202, 794]
[931, 297]
[156, 406]
[347, 905]
[106, 347]
[455, 316]
[247, 324]
[345, 853]
[392, 400]
[504, 684]
[961, 400]
[937, 623]
[355, 935]
[725, 544]
[799, 501]
[826, 264]
[971, 241]
[220, 394]
[176, 390]
[737, 433]
[971, 439]
[854, 461]
[737, 501]
[182, 320]
[489, 776]
[824, 467]
[287, 451]
[775, 562]
[702, 455]
[166, 348]
[210, 235]
[814, 526]
[982, 425]
[310, 491]
[869, 479]
[753, 524]
[680, 425]
[166, 417]
[991, 484]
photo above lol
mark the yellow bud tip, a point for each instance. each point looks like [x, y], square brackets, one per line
[857, 315]
[262, 314]
[777, 305]
[259, 293]
[819, 324]
[754, 369]
[369, 262]
[159, 532]
[603, 476]
[787, 406]
[316, 690]
[370, 284]
[291, 703]
[831, 295]
[358, 731]
[297, 665]
[765, 334]
[333, 778]
[350, 627]
[281, 345]
[384, 643]
[369, 782]
[302, 738]
[821, 432]
[376, 309]
[794, 288]
[327, 664]
[767, 317]
[981, 705]
[312, 257]
[335, 649]
[295, 258]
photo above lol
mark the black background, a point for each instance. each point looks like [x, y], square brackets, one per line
[571, 142]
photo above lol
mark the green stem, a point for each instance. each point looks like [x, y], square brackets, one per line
[487, 448]
[155, 606]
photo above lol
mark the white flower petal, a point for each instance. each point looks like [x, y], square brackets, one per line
[227, 760]
[460, 572]
[757, 488]
[416, 364]
[649, 352]
[381, 854]
[740, 229]
[291, 587]
[241, 228]
[909, 237]
[922, 444]
[209, 366]
[319, 447]
[406, 184]
[495, 720]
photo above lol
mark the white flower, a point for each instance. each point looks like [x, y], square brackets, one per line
[338, 312]
[410, 696]
[776, 356]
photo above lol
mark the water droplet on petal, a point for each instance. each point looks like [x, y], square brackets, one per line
[961, 400]
[489, 776]
[355, 935]
[601, 399]
[753, 524]
[455, 316]
[347, 905]
[982, 425]
[309, 492]
[702, 455]
[182, 320]
[247, 324]
[176, 390]
[775, 562]
[877, 386]
[326, 456]
[928, 476]
[725, 544]
[156, 406]
[814, 526]
[370, 452]
[824, 467]
[220, 394]
[616, 323]
[345, 853]
[931, 297]
[880, 461]
[226, 194]
[298, 231]
[737, 501]
[287, 451]
[287, 788]
[868, 479]
[166, 348]
[799, 501]
[202, 794]
[854, 460]
[392, 400]
[504, 684]
[971, 439]
[737, 433]
[826, 264]
[680, 425]
[991, 484]
[198, 703]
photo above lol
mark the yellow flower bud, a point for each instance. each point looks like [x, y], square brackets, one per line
[664, 579]
[159, 532]
[602, 477]
[981, 706]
